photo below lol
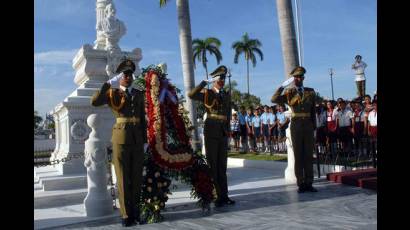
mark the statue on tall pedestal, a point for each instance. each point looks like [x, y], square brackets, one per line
[359, 66]
[109, 31]
[113, 28]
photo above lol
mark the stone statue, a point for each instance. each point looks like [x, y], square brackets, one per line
[99, 43]
[113, 28]
[359, 66]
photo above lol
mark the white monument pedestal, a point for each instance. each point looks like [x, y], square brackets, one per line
[70, 115]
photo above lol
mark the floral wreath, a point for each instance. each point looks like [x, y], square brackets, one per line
[169, 151]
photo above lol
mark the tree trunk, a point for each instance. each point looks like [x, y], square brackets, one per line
[206, 71]
[185, 42]
[290, 60]
[247, 73]
[287, 35]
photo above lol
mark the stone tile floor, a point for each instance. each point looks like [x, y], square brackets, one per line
[263, 199]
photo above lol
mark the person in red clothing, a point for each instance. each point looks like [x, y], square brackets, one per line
[372, 128]
[331, 126]
[358, 125]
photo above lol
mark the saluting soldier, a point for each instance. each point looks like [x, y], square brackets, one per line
[129, 137]
[303, 123]
[216, 129]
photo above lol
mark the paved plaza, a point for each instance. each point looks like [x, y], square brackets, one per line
[263, 199]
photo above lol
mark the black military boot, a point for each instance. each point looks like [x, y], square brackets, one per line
[229, 201]
[310, 188]
[126, 222]
[302, 188]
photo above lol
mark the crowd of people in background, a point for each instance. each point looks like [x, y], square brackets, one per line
[349, 126]
[260, 129]
[346, 125]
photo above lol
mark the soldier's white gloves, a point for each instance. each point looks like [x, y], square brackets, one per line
[115, 81]
[212, 80]
[287, 82]
[145, 147]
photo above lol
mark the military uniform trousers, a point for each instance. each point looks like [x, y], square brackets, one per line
[303, 144]
[128, 163]
[216, 150]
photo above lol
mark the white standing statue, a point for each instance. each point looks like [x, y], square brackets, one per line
[359, 66]
[98, 201]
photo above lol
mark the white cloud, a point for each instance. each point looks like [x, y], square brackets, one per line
[46, 98]
[55, 57]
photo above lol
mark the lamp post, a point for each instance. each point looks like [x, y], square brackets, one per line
[331, 81]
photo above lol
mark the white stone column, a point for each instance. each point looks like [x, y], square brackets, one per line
[98, 201]
[290, 177]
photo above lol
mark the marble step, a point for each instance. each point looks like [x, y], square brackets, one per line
[59, 198]
[96, 85]
[43, 170]
[61, 182]
[38, 187]
[85, 91]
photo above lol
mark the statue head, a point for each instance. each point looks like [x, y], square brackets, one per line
[109, 10]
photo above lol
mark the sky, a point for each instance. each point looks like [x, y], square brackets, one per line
[333, 32]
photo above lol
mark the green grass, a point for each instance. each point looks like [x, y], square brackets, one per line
[253, 156]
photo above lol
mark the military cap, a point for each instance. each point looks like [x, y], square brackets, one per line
[358, 56]
[298, 71]
[220, 71]
[126, 66]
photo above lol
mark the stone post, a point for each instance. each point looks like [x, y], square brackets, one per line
[98, 201]
[290, 177]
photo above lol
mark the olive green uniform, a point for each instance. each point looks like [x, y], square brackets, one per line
[128, 138]
[216, 130]
[302, 126]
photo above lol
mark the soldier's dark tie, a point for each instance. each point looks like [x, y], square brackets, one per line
[221, 94]
[300, 92]
[127, 93]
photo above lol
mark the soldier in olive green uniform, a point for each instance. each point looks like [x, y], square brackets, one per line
[129, 137]
[216, 129]
[303, 121]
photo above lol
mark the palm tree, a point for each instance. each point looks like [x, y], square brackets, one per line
[287, 35]
[247, 47]
[200, 47]
[185, 42]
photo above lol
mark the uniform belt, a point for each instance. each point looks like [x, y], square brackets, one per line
[217, 117]
[128, 119]
[305, 115]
